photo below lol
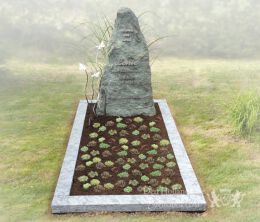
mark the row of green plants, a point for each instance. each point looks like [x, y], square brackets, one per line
[123, 141]
[127, 187]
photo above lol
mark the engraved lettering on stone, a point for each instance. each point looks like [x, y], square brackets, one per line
[126, 82]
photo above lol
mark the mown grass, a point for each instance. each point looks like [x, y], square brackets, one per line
[37, 107]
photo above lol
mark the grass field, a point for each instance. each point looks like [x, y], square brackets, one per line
[37, 107]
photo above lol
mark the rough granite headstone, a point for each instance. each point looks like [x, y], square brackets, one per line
[125, 88]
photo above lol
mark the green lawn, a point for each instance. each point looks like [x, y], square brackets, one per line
[37, 107]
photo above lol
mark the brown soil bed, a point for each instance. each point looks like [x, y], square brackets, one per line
[167, 181]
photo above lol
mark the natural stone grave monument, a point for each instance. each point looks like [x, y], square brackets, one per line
[126, 85]
[130, 156]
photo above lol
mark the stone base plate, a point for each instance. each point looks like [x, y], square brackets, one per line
[63, 202]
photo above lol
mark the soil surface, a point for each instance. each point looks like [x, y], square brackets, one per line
[169, 177]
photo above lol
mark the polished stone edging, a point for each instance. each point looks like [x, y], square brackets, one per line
[64, 203]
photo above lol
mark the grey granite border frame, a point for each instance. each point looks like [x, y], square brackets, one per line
[64, 203]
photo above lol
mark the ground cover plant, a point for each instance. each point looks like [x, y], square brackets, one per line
[127, 162]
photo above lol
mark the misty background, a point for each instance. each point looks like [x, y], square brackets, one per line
[54, 30]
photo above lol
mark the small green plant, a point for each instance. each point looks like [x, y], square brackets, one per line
[136, 172]
[152, 124]
[101, 139]
[171, 164]
[143, 166]
[131, 160]
[83, 179]
[121, 125]
[127, 166]
[136, 143]
[125, 147]
[119, 119]
[166, 181]
[144, 178]
[80, 167]
[99, 188]
[157, 137]
[158, 166]
[162, 189]
[123, 133]
[84, 149]
[106, 153]
[156, 173]
[142, 156]
[85, 157]
[152, 152]
[93, 135]
[92, 143]
[123, 141]
[134, 151]
[135, 132]
[102, 129]
[120, 161]
[146, 189]
[164, 142]
[244, 112]
[89, 163]
[105, 175]
[120, 183]
[132, 126]
[96, 160]
[86, 186]
[109, 186]
[94, 182]
[154, 130]
[123, 174]
[128, 189]
[94, 152]
[112, 132]
[122, 153]
[104, 145]
[93, 174]
[145, 136]
[153, 182]
[109, 163]
[169, 172]
[138, 119]
[110, 123]
[143, 128]
[134, 183]
[170, 156]
[161, 159]
[150, 159]
[100, 165]
[176, 186]
[155, 146]
[96, 125]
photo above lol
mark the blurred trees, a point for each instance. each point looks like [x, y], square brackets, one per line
[50, 30]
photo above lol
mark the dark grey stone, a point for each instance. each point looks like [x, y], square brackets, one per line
[126, 84]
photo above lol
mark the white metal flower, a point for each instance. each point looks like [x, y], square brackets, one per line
[96, 74]
[82, 67]
[101, 45]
